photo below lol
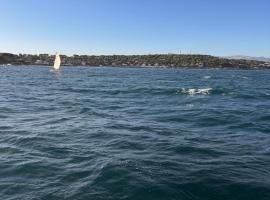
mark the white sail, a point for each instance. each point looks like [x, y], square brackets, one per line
[57, 62]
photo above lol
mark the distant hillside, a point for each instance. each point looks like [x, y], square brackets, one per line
[241, 57]
[6, 58]
[156, 60]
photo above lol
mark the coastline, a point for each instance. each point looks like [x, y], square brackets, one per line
[179, 61]
[151, 67]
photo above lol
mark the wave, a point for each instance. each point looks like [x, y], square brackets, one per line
[205, 91]
[195, 91]
[207, 77]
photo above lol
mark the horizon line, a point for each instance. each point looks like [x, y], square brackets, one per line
[138, 54]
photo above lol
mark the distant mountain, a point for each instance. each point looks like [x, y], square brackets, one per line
[241, 57]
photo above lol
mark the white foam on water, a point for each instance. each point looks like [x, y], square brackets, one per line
[193, 91]
[207, 77]
[190, 105]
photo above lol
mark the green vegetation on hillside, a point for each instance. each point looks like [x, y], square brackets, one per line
[166, 60]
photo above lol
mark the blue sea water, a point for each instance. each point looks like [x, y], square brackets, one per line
[134, 133]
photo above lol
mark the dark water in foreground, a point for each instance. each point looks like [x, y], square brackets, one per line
[123, 133]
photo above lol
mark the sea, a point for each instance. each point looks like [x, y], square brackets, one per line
[117, 133]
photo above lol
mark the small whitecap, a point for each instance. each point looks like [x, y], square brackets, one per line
[193, 91]
[207, 77]
[190, 105]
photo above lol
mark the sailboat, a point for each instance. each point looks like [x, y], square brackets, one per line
[57, 62]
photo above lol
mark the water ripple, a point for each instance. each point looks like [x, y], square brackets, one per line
[131, 133]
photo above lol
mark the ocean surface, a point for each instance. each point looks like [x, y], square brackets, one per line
[134, 133]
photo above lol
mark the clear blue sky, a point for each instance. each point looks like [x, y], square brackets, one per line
[217, 27]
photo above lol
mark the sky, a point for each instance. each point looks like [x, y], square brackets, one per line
[94, 27]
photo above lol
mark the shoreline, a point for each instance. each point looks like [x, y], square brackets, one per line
[139, 61]
[146, 67]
